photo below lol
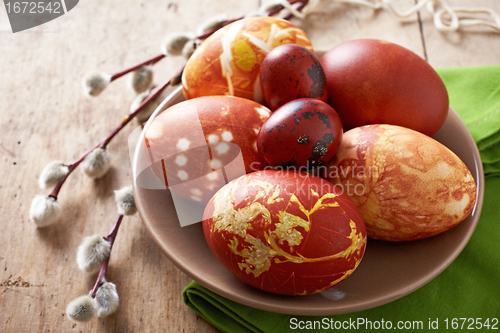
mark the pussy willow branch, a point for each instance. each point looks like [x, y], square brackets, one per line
[104, 268]
[151, 61]
[206, 34]
[160, 56]
[103, 144]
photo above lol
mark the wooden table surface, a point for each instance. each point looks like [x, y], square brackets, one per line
[45, 116]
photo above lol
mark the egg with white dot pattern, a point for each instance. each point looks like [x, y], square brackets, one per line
[197, 146]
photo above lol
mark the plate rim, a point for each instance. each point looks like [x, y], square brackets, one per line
[292, 309]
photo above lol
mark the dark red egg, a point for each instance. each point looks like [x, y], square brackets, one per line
[303, 132]
[290, 72]
[377, 82]
[285, 232]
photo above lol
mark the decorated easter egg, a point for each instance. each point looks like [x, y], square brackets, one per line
[377, 82]
[291, 72]
[304, 132]
[195, 147]
[228, 62]
[285, 232]
[406, 185]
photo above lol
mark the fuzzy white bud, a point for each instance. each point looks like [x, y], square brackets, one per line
[81, 309]
[141, 79]
[147, 110]
[190, 47]
[96, 164]
[94, 83]
[52, 174]
[92, 252]
[106, 299]
[174, 43]
[125, 201]
[213, 22]
[44, 210]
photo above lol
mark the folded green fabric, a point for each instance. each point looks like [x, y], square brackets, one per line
[475, 95]
[491, 155]
[468, 288]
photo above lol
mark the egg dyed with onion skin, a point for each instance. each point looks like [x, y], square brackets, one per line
[291, 72]
[304, 132]
[195, 147]
[377, 82]
[406, 185]
[228, 62]
[285, 232]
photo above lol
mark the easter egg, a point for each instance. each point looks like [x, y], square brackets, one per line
[406, 185]
[377, 82]
[291, 72]
[304, 132]
[285, 232]
[195, 147]
[228, 62]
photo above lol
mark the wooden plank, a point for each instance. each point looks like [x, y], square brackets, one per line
[339, 22]
[44, 116]
[472, 46]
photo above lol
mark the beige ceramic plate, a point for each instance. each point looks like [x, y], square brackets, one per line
[387, 272]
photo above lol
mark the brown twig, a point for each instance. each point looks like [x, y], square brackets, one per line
[150, 61]
[103, 144]
[155, 92]
[104, 268]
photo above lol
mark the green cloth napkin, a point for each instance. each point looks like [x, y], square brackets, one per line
[475, 95]
[468, 288]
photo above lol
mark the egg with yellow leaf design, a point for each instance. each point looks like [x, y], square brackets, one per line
[285, 232]
[228, 62]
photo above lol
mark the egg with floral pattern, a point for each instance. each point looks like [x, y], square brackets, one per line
[228, 62]
[285, 232]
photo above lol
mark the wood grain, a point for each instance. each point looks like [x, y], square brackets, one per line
[44, 116]
[470, 46]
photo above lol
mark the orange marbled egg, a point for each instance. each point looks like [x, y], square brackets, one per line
[285, 232]
[406, 185]
[195, 147]
[228, 62]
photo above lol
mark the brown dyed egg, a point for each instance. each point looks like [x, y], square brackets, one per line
[197, 146]
[406, 185]
[376, 82]
[285, 232]
[304, 132]
[228, 62]
[291, 72]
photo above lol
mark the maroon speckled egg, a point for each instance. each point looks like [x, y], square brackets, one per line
[285, 232]
[303, 132]
[290, 72]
